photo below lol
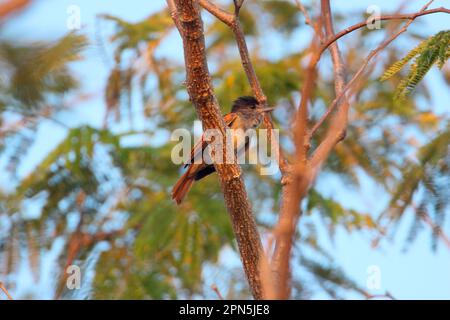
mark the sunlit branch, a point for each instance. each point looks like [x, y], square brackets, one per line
[233, 22]
[11, 6]
[406, 16]
[201, 93]
[334, 136]
[2, 287]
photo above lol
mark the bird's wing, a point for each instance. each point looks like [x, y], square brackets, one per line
[229, 118]
[197, 151]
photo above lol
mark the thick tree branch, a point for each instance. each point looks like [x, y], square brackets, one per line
[306, 170]
[297, 181]
[297, 184]
[286, 225]
[201, 93]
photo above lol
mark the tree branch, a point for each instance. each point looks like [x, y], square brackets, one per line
[237, 6]
[173, 13]
[233, 22]
[406, 16]
[201, 94]
[286, 225]
[12, 6]
[338, 65]
[302, 8]
[339, 126]
[336, 131]
[299, 180]
[2, 287]
[219, 13]
[334, 38]
[296, 185]
[331, 40]
[306, 169]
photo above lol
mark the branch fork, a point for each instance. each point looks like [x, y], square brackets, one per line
[298, 177]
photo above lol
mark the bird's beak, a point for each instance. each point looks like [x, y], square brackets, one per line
[265, 109]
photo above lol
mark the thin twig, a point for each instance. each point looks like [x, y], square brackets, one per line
[405, 16]
[12, 6]
[302, 8]
[338, 67]
[218, 12]
[322, 151]
[237, 6]
[387, 295]
[216, 290]
[233, 22]
[373, 53]
[2, 287]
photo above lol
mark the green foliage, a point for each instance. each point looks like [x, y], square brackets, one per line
[221, 34]
[37, 78]
[139, 38]
[279, 79]
[429, 175]
[330, 277]
[336, 215]
[66, 171]
[115, 184]
[131, 35]
[285, 15]
[433, 51]
[38, 71]
[170, 244]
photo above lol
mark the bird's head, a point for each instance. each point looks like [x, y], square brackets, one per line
[248, 104]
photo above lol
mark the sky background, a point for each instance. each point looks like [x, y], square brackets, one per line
[415, 273]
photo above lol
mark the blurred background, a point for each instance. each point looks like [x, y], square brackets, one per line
[90, 92]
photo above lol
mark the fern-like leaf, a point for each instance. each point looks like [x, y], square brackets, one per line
[435, 50]
[397, 66]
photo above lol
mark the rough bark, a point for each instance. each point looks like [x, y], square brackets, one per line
[200, 89]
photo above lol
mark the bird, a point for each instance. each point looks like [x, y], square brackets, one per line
[246, 113]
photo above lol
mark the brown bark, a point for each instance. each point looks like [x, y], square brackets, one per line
[199, 87]
[405, 16]
[233, 22]
[298, 177]
[2, 287]
[12, 6]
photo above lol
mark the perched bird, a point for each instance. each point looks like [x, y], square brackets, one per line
[245, 114]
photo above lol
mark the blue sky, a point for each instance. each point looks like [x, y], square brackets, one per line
[416, 273]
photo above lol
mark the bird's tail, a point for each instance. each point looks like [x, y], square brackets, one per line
[182, 187]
